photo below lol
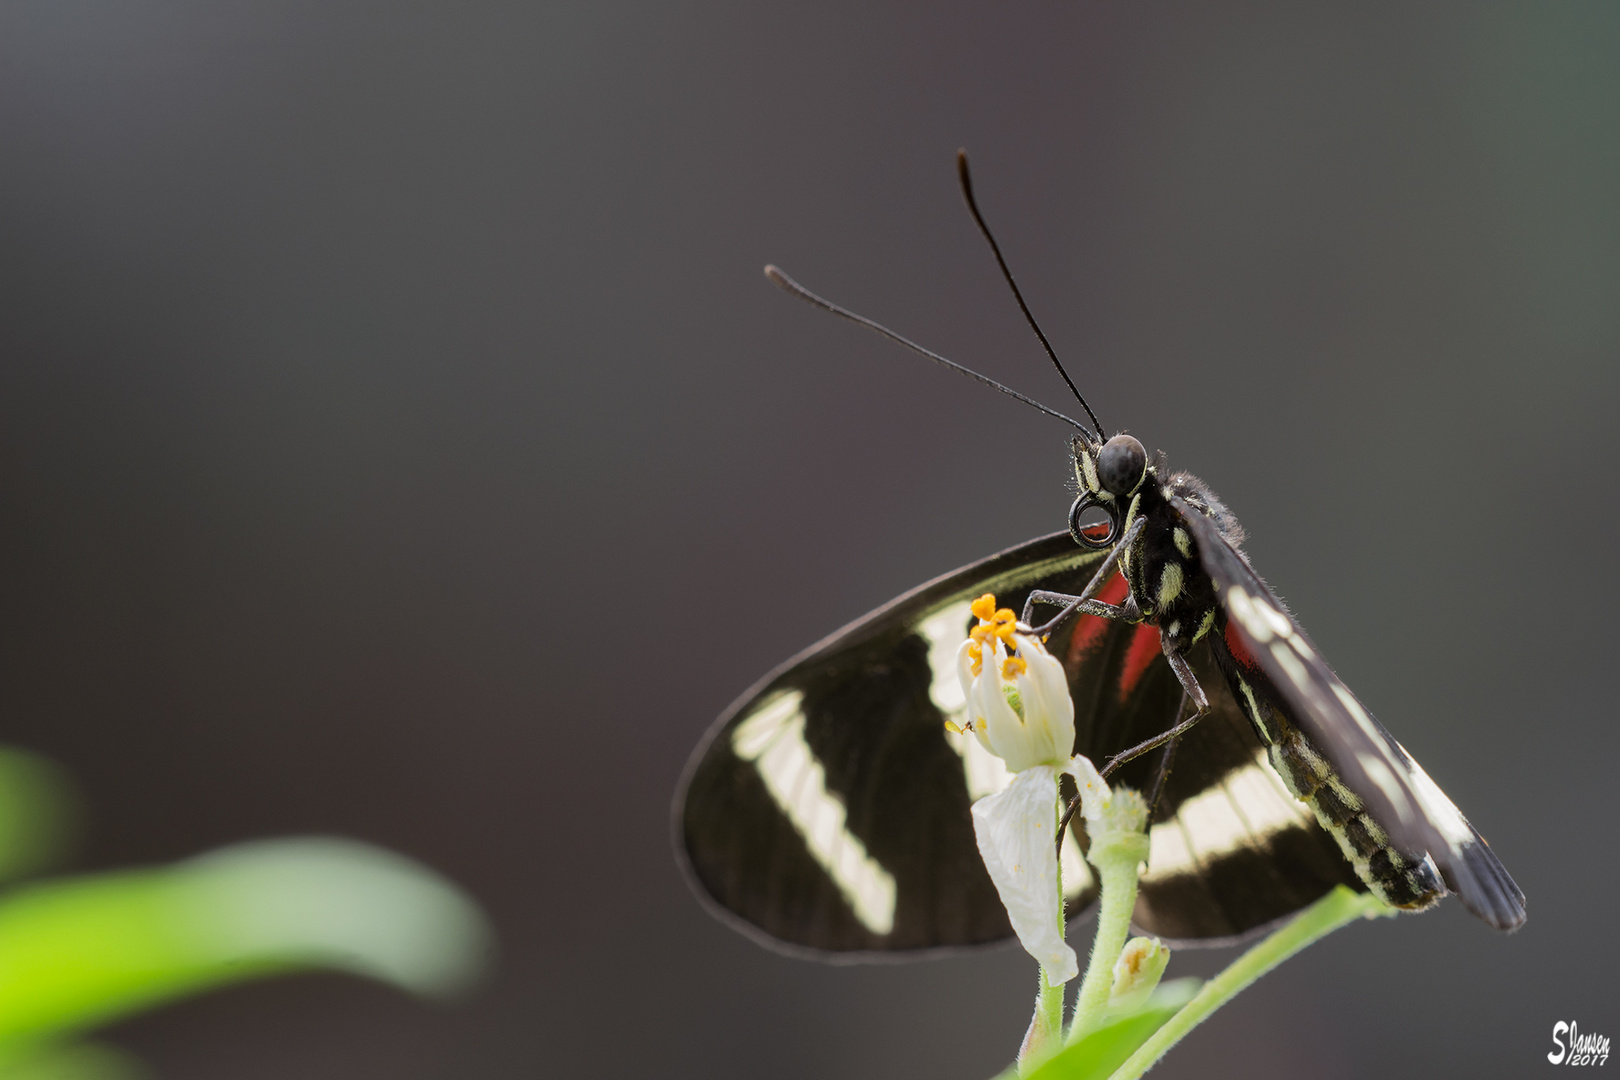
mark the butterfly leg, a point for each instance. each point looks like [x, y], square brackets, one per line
[1194, 692]
[1084, 603]
[1167, 758]
[1169, 740]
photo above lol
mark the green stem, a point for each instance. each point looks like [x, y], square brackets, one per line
[1117, 859]
[1051, 1007]
[1334, 910]
[1045, 1036]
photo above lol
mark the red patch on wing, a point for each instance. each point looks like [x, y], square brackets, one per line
[1091, 627]
[1239, 648]
[1143, 651]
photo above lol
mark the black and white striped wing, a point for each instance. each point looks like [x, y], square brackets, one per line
[1398, 794]
[827, 810]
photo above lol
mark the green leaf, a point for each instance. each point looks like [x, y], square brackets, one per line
[86, 951]
[39, 813]
[1096, 1056]
[76, 1061]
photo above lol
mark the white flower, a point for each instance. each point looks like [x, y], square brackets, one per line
[1020, 710]
[1017, 693]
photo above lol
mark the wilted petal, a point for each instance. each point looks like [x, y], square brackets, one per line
[1014, 829]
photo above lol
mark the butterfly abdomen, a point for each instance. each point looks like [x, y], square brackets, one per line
[1398, 878]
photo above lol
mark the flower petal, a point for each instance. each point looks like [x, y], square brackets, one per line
[1094, 791]
[1014, 829]
[1044, 689]
[964, 672]
[1006, 734]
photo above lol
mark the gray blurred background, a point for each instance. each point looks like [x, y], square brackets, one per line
[393, 419]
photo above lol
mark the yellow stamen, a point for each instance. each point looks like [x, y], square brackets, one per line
[1013, 666]
[976, 657]
[953, 727]
[984, 606]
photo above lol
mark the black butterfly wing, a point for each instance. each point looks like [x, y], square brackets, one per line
[1231, 850]
[1370, 762]
[827, 809]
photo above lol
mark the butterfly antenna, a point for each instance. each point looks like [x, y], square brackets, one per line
[967, 192]
[788, 285]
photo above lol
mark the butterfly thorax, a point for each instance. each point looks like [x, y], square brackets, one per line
[1167, 580]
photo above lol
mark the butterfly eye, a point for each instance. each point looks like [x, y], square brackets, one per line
[1120, 465]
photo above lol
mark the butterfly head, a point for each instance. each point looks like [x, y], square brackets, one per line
[1109, 474]
[1114, 470]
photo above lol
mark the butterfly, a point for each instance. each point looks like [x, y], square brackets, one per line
[826, 812]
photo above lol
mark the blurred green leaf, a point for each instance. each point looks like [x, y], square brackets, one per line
[39, 813]
[83, 952]
[1096, 1056]
[77, 1061]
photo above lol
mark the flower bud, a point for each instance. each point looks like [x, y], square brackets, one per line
[1137, 971]
[1118, 827]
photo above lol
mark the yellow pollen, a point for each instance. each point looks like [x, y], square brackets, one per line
[994, 622]
[990, 631]
[976, 656]
[1013, 666]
